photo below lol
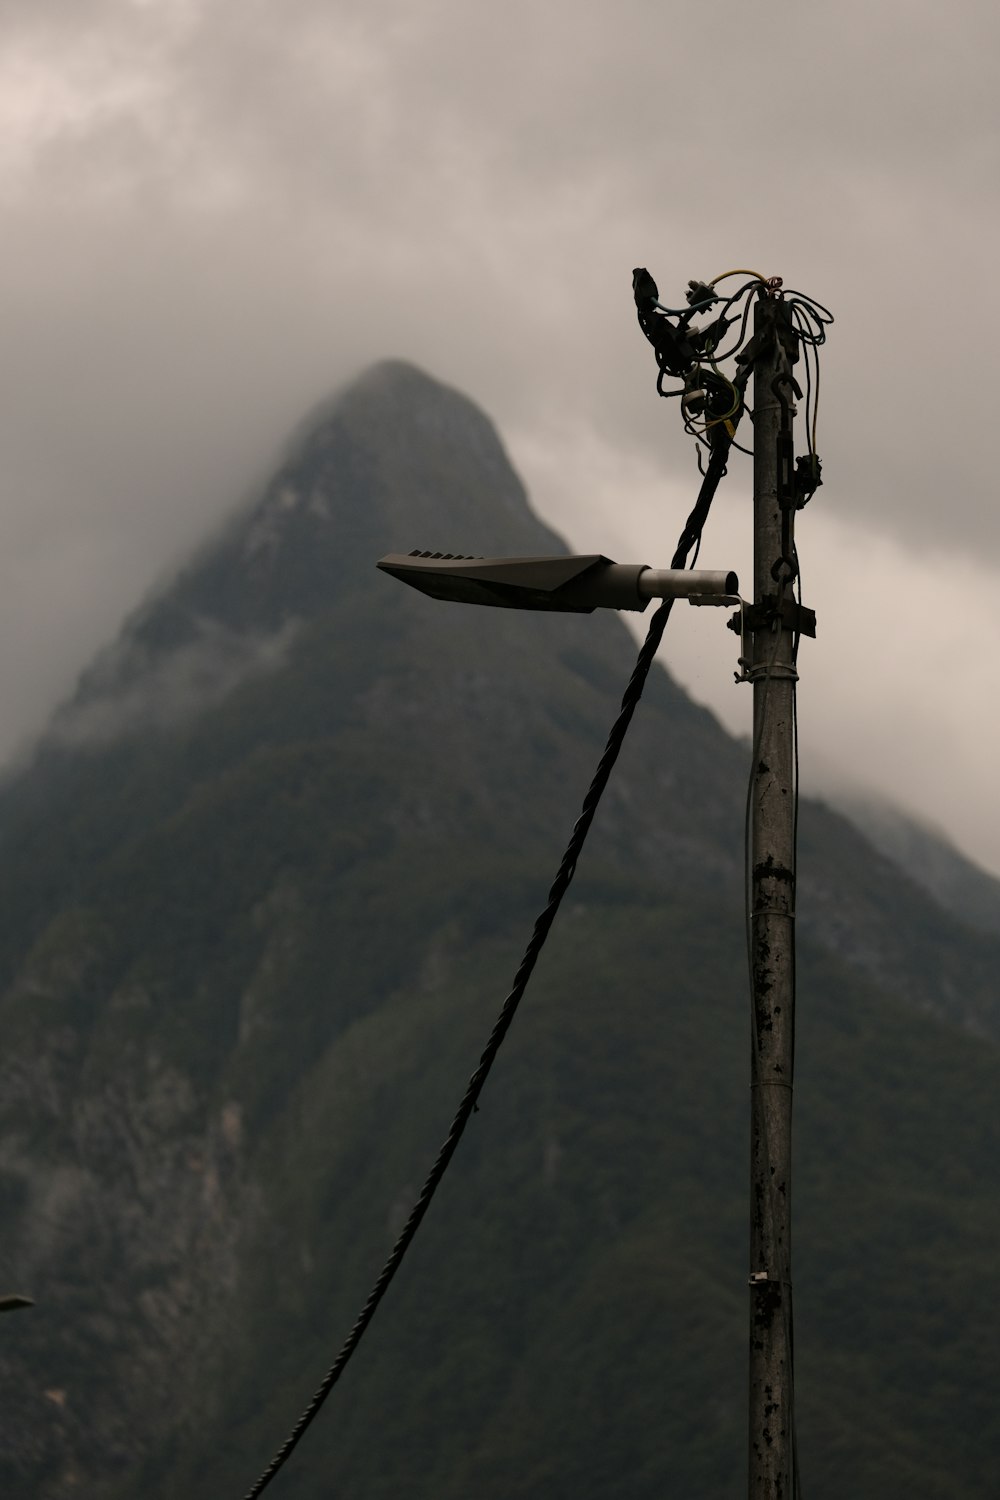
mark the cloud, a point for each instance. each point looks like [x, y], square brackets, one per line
[216, 211]
[895, 692]
[131, 689]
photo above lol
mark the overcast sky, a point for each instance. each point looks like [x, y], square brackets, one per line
[215, 211]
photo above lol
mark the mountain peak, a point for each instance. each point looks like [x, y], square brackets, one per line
[394, 461]
[438, 460]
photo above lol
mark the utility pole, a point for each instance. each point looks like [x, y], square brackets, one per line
[775, 622]
[712, 405]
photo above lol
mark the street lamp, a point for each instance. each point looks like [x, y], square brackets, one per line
[574, 585]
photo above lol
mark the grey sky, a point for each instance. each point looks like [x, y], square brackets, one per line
[216, 212]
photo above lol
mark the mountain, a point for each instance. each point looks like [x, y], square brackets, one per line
[929, 857]
[262, 890]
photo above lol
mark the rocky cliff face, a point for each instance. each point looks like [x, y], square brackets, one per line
[260, 893]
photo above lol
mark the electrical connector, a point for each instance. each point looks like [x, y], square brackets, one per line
[808, 478]
[699, 294]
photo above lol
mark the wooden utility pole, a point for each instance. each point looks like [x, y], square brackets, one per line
[772, 907]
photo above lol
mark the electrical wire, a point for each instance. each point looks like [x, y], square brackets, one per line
[694, 307]
[708, 354]
[689, 540]
[823, 316]
[811, 426]
[685, 312]
[808, 355]
[809, 318]
[740, 271]
[741, 339]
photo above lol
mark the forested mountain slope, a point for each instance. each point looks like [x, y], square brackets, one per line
[262, 890]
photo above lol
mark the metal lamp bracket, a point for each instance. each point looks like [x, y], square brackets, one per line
[764, 616]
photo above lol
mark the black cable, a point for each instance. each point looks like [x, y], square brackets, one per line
[712, 357]
[741, 338]
[689, 539]
[812, 434]
[820, 315]
[809, 343]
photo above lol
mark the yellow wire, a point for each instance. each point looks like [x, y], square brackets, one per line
[740, 272]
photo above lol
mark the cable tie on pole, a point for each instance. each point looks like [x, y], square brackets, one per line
[772, 672]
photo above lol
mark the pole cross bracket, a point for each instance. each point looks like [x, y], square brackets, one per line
[763, 616]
